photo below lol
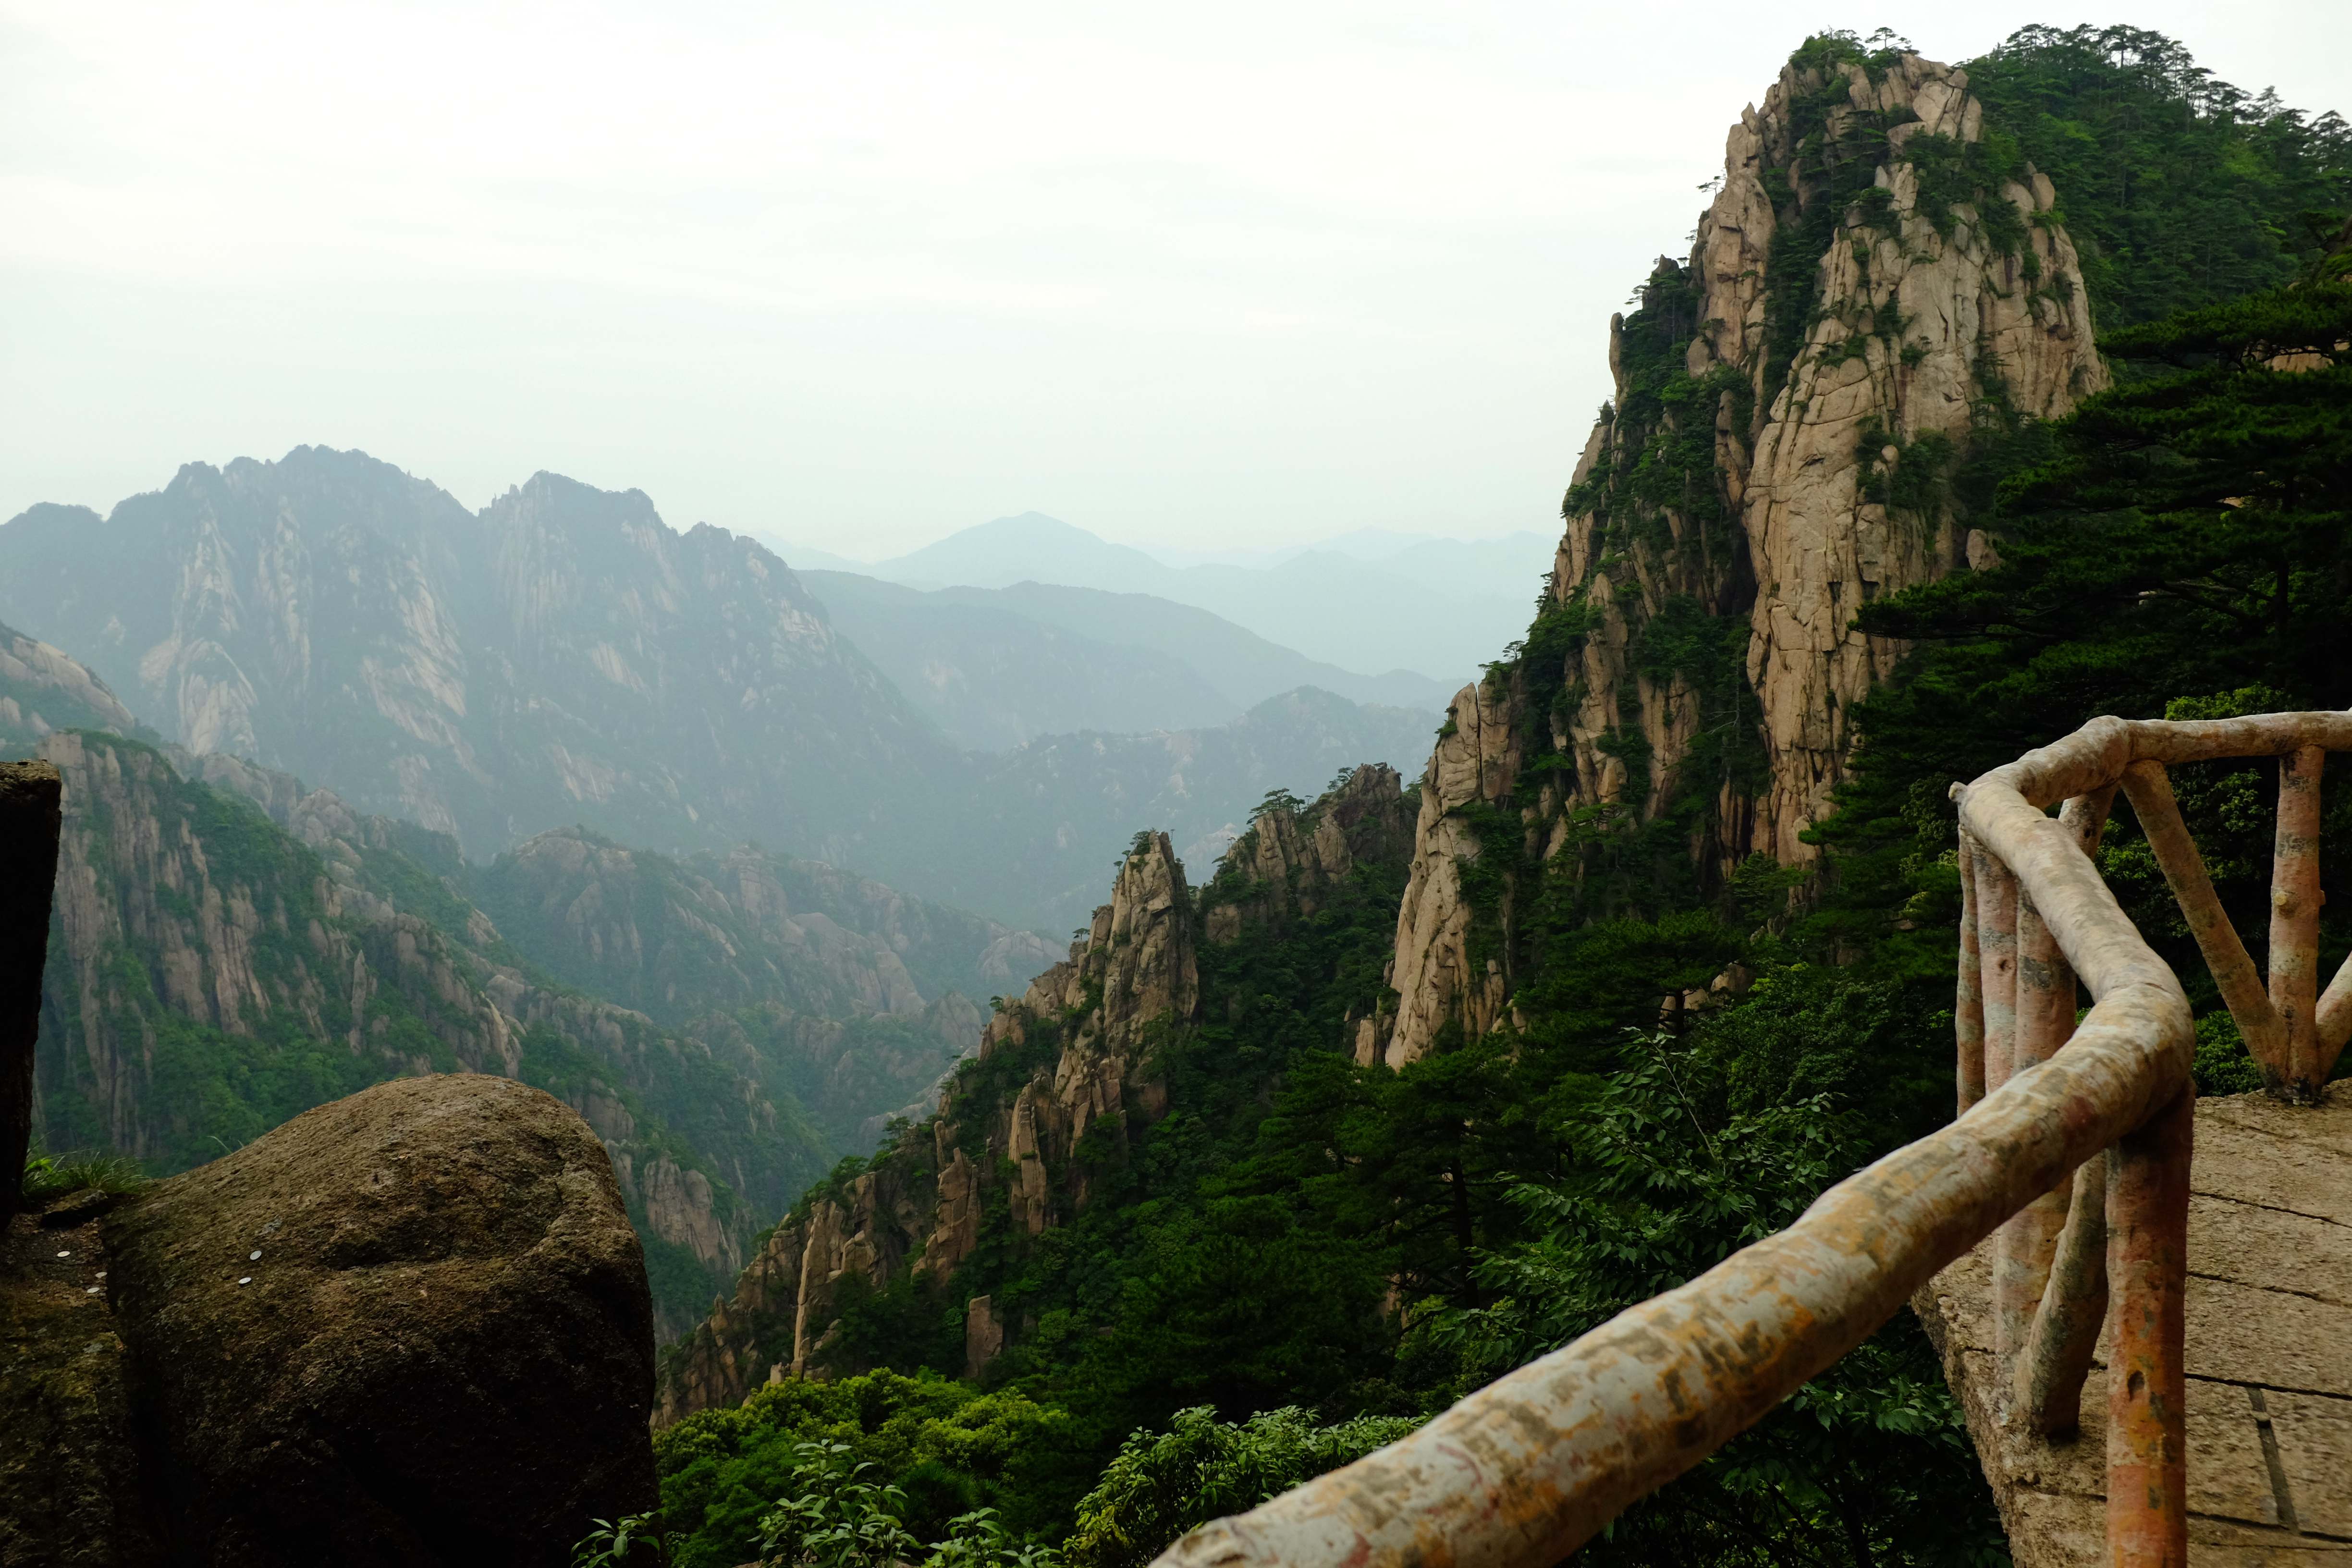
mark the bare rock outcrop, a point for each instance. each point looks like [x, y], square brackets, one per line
[1867, 292]
[43, 689]
[1978, 325]
[1435, 977]
[1065, 1079]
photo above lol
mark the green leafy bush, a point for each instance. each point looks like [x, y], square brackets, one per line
[1164, 1483]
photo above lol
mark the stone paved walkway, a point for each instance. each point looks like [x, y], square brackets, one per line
[2269, 1357]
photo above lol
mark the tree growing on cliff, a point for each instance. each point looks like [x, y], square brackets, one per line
[2191, 530]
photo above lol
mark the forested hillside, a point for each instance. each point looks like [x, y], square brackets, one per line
[1670, 946]
[230, 948]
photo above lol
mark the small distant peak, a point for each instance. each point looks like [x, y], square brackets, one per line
[55, 514]
[1034, 523]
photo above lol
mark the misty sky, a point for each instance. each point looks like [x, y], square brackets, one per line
[1211, 275]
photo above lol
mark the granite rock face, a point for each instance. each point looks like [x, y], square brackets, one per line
[70, 1487]
[42, 689]
[1977, 324]
[1816, 418]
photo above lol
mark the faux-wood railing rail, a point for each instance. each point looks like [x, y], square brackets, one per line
[1522, 1472]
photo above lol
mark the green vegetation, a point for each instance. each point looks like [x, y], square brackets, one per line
[2178, 191]
[1164, 1483]
[2182, 549]
[630, 1542]
[947, 1451]
[48, 1177]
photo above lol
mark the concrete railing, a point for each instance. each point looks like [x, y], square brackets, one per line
[1522, 1472]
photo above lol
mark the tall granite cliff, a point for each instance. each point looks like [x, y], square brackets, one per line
[1876, 293]
[1067, 1086]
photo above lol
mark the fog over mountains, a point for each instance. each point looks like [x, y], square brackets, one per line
[1439, 609]
[564, 657]
[995, 667]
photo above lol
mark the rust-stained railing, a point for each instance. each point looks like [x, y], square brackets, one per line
[1525, 1470]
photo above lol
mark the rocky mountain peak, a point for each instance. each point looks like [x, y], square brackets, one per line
[1872, 290]
[1066, 1079]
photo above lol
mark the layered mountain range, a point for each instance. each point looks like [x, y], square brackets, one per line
[564, 657]
[1870, 300]
[996, 666]
[1428, 608]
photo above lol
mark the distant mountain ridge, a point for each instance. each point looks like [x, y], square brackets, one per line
[561, 654]
[565, 657]
[996, 666]
[1436, 607]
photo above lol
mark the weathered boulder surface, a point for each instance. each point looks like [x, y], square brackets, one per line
[69, 1484]
[408, 1327]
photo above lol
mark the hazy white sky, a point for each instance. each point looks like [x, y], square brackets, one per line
[1215, 275]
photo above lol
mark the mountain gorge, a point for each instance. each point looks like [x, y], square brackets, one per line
[1868, 302]
[231, 947]
[1051, 1124]
[213, 972]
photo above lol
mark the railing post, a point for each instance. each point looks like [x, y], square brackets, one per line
[2046, 991]
[2045, 1016]
[1997, 965]
[2150, 792]
[2294, 920]
[2147, 1270]
[1968, 1001]
[2047, 1384]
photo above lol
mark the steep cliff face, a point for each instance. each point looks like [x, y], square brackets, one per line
[1066, 1090]
[230, 949]
[1874, 292]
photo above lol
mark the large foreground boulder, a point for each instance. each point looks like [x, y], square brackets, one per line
[411, 1327]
